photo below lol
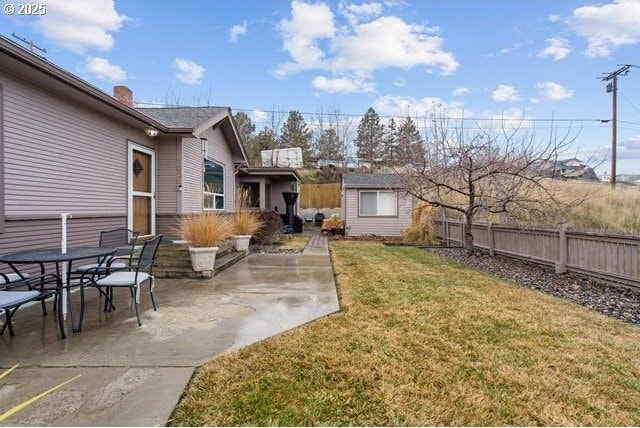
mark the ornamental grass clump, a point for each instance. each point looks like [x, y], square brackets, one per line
[206, 230]
[421, 229]
[245, 221]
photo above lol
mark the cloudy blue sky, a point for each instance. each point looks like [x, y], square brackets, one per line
[477, 59]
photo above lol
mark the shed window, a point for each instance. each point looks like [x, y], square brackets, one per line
[213, 186]
[378, 203]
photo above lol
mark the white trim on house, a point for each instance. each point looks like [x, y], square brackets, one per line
[131, 146]
[224, 175]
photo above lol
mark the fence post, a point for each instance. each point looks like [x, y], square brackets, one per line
[446, 230]
[491, 243]
[561, 266]
[462, 233]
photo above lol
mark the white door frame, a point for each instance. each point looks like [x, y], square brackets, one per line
[130, 193]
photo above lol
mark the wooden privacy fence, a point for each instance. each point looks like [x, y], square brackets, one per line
[607, 256]
[320, 195]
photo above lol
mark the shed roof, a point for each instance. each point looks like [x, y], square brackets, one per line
[372, 180]
[182, 117]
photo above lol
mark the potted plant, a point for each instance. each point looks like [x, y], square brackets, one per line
[205, 232]
[245, 222]
[337, 225]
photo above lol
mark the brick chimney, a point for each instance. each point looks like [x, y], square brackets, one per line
[124, 95]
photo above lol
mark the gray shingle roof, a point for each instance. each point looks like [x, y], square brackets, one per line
[372, 180]
[182, 117]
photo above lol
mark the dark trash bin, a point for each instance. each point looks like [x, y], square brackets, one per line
[318, 219]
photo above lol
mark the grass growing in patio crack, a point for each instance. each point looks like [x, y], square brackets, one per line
[421, 341]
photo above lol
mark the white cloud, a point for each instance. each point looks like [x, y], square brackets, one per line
[390, 42]
[507, 119]
[356, 13]
[399, 106]
[343, 84]
[237, 31]
[79, 25]
[259, 116]
[369, 42]
[459, 91]
[557, 48]
[629, 149]
[188, 71]
[399, 82]
[608, 26]
[300, 34]
[554, 91]
[513, 48]
[625, 149]
[534, 100]
[554, 18]
[103, 69]
[505, 93]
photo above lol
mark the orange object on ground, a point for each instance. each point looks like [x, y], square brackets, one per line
[327, 225]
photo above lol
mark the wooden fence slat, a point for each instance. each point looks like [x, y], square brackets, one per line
[607, 256]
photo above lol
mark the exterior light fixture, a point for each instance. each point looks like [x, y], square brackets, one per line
[151, 132]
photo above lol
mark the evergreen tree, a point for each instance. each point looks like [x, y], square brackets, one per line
[295, 133]
[246, 129]
[265, 140]
[329, 145]
[370, 136]
[389, 142]
[409, 143]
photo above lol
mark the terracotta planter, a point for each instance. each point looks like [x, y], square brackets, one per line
[241, 242]
[203, 259]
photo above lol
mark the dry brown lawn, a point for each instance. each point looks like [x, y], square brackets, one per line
[293, 242]
[421, 341]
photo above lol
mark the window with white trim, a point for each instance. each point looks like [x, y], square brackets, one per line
[378, 203]
[213, 191]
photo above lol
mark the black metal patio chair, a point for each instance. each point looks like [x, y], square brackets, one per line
[124, 240]
[138, 273]
[19, 291]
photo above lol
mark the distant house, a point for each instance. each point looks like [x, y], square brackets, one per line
[350, 163]
[568, 169]
[375, 204]
[66, 146]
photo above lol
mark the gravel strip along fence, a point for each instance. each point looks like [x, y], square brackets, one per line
[615, 301]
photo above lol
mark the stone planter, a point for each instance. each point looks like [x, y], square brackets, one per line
[241, 242]
[203, 259]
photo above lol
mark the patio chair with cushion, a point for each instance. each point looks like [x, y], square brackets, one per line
[18, 289]
[10, 301]
[133, 279]
[124, 240]
[9, 278]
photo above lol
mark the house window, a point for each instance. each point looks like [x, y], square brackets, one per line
[213, 185]
[378, 203]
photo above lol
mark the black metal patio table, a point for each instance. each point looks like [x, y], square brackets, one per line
[55, 255]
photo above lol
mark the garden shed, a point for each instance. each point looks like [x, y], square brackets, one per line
[375, 204]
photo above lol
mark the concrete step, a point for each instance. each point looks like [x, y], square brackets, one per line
[228, 260]
[173, 261]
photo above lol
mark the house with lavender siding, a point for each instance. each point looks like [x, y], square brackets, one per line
[375, 204]
[67, 146]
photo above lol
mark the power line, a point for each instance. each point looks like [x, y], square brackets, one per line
[389, 116]
[629, 101]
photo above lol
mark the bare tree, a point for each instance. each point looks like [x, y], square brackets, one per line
[485, 170]
[333, 134]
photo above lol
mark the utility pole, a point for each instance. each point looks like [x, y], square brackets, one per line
[612, 86]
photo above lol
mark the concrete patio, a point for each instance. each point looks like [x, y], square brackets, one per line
[132, 375]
